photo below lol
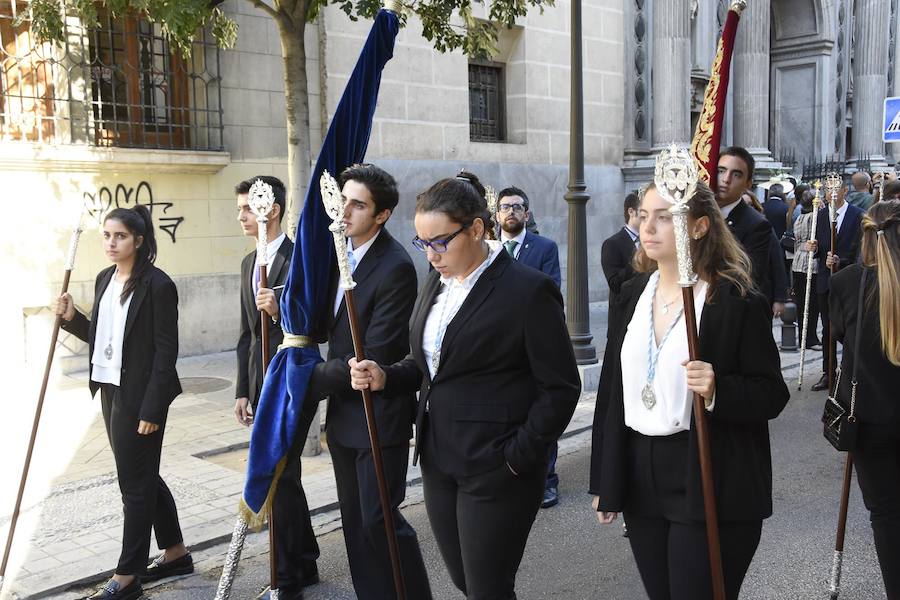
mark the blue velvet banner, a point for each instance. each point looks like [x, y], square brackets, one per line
[305, 302]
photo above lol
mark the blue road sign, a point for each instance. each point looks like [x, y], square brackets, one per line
[891, 130]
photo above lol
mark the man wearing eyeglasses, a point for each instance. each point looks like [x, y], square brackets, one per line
[383, 297]
[539, 253]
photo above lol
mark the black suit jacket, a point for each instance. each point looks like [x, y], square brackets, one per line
[775, 209]
[736, 338]
[878, 378]
[249, 347]
[383, 297]
[753, 231]
[149, 381]
[848, 240]
[507, 384]
[615, 258]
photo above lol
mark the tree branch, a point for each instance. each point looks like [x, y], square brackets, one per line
[264, 7]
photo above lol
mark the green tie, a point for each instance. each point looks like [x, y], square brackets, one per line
[511, 247]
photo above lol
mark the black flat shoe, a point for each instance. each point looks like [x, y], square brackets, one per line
[111, 590]
[551, 497]
[159, 569]
[821, 384]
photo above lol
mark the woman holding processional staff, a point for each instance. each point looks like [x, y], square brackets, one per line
[645, 461]
[877, 452]
[132, 334]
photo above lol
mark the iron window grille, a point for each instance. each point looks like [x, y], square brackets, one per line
[487, 102]
[115, 85]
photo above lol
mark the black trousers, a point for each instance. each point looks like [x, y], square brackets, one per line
[363, 523]
[146, 500]
[826, 331]
[812, 335]
[296, 549]
[481, 524]
[877, 459]
[670, 549]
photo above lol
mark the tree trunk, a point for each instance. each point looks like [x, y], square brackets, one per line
[296, 97]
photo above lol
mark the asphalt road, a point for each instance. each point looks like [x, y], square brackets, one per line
[571, 556]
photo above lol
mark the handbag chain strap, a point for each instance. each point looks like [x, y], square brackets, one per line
[858, 336]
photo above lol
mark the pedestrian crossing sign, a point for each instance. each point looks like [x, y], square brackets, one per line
[891, 131]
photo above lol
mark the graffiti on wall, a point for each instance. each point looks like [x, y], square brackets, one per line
[103, 200]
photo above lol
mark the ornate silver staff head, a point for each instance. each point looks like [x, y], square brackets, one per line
[676, 176]
[261, 198]
[491, 196]
[817, 201]
[73, 242]
[334, 208]
[833, 183]
[395, 6]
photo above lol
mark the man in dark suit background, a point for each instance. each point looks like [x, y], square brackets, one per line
[295, 541]
[752, 230]
[775, 209]
[849, 234]
[538, 252]
[618, 249]
[383, 297]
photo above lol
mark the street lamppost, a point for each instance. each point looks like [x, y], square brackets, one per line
[577, 307]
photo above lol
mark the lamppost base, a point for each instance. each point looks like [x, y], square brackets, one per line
[585, 352]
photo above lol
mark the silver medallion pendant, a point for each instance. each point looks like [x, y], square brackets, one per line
[108, 352]
[648, 397]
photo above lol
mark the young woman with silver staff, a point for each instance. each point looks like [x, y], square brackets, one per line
[132, 334]
[680, 411]
[804, 254]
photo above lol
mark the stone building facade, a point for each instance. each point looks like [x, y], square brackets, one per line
[115, 121]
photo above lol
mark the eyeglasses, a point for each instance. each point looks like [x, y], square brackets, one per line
[516, 208]
[439, 246]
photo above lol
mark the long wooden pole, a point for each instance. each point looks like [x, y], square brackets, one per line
[835, 587]
[54, 336]
[706, 471]
[387, 511]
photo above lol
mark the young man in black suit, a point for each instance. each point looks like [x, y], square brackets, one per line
[849, 233]
[295, 541]
[618, 249]
[384, 295]
[750, 228]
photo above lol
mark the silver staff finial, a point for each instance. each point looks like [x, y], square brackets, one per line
[334, 208]
[73, 242]
[491, 196]
[676, 176]
[261, 198]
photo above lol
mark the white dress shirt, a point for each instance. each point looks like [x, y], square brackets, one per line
[271, 250]
[672, 412]
[448, 302]
[635, 236]
[110, 333]
[355, 255]
[840, 215]
[519, 239]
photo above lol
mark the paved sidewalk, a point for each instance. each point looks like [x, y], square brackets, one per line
[70, 530]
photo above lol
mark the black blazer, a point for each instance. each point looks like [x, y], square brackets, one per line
[848, 240]
[149, 381]
[508, 383]
[383, 297]
[753, 231]
[249, 347]
[775, 209]
[736, 338]
[877, 400]
[777, 270]
[615, 258]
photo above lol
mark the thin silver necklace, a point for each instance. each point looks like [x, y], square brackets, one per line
[108, 351]
[648, 396]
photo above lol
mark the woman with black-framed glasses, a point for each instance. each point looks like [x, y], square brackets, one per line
[498, 384]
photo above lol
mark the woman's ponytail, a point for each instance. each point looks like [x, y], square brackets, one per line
[881, 250]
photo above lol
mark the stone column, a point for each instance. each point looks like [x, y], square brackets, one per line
[671, 72]
[750, 84]
[870, 64]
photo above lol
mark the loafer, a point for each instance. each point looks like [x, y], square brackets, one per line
[160, 569]
[821, 384]
[551, 497]
[111, 590]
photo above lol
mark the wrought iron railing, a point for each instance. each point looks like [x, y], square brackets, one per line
[118, 84]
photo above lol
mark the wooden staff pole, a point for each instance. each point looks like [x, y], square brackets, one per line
[54, 336]
[384, 498]
[838, 559]
[266, 358]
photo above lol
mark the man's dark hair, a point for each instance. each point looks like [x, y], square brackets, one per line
[379, 182]
[632, 201]
[278, 190]
[891, 190]
[742, 154]
[512, 191]
[776, 191]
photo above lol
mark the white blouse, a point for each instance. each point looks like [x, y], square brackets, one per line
[448, 302]
[110, 335]
[672, 411]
